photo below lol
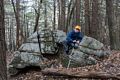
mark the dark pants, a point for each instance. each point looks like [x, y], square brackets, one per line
[68, 45]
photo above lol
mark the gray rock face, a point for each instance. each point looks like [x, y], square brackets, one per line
[91, 43]
[92, 46]
[24, 59]
[60, 36]
[29, 52]
[83, 55]
[48, 40]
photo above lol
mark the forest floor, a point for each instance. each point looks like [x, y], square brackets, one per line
[110, 64]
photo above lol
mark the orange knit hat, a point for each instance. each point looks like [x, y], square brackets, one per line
[78, 27]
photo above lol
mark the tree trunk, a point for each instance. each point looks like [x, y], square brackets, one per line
[54, 18]
[74, 17]
[87, 18]
[37, 16]
[110, 18]
[116, 22]
[18, 22]
[59, 22]
[68, 15]
[61, 25]
[94, 26]
[17, 16]
[36, 22]
[3, 69]
[45, 16]
[78, 74]
[77, 12]
[10, 39]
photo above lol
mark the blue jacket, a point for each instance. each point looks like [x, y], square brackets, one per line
[72, 35]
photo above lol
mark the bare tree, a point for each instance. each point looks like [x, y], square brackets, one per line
[71, 7]
[17, 16]
[87, 17]
[114, 38]
[54, 18]
[61, 21]
[45, 16]
[77, 12]
[94, 20]
[37, 11]
[3, 69]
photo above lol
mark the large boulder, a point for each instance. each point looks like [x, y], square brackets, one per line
[92, 46]
[60, 36]
[48, 42]
[78, 59]
[88, 50]
[24, 59]
[29, 53]
[92, 43]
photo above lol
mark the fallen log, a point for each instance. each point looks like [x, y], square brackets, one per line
[79, 74]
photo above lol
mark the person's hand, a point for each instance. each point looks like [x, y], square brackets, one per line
[78, 42]
[74, 41]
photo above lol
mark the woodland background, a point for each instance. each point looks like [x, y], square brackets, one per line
[19, 19]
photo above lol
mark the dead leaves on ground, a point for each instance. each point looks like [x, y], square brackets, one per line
[110, 65]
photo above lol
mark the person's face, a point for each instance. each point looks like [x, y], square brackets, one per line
[76, 30]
